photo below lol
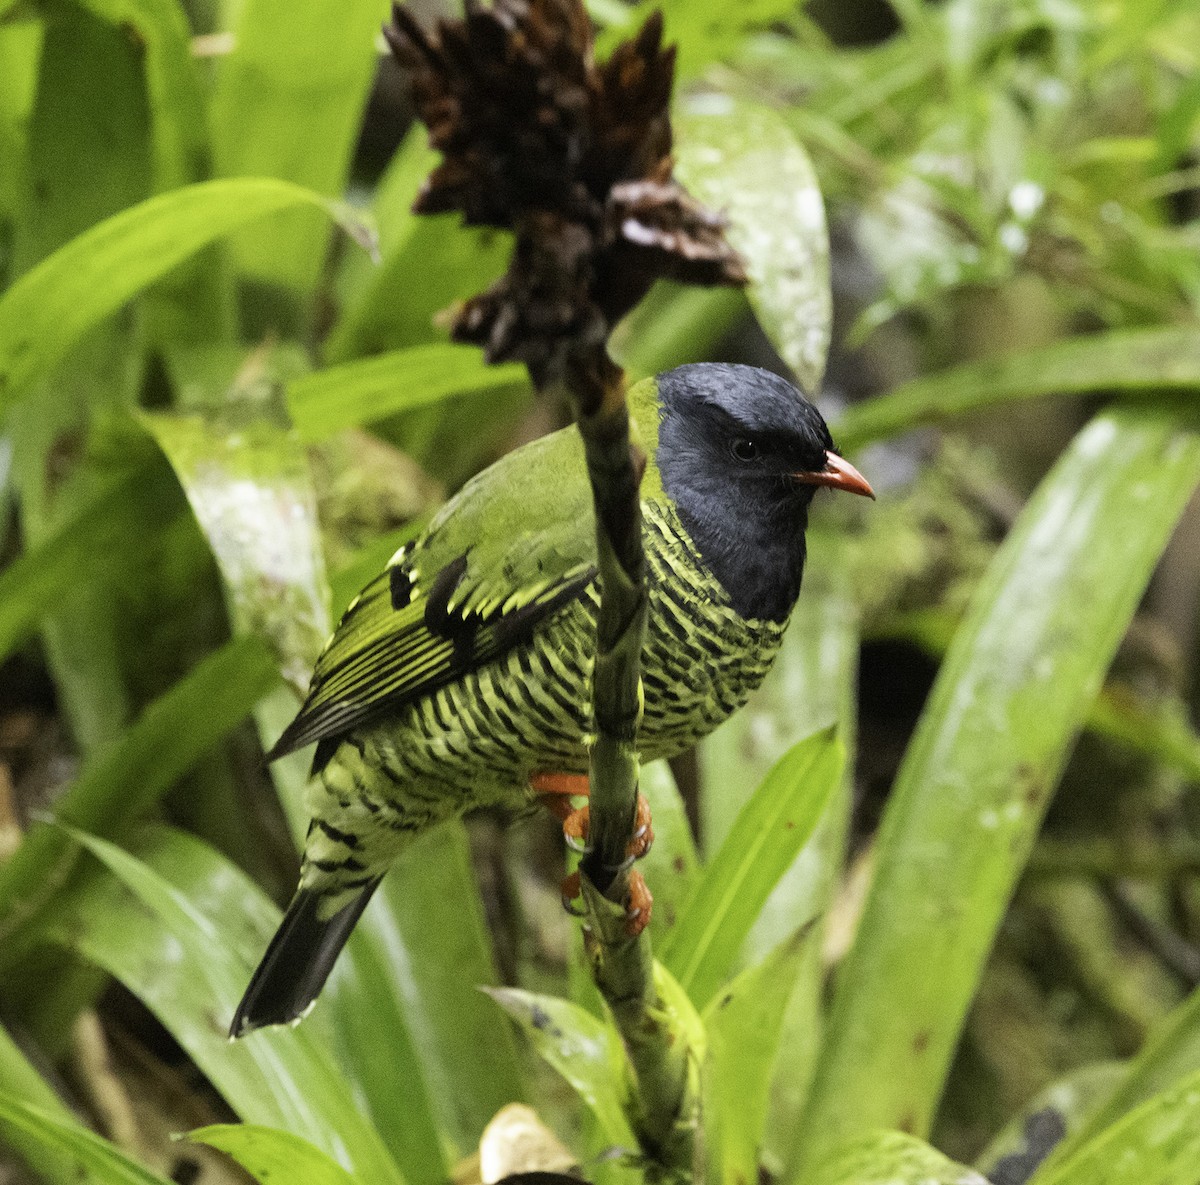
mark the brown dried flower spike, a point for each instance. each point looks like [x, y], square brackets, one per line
[573, 157]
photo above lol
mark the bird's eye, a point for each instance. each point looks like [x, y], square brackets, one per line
[745, 450]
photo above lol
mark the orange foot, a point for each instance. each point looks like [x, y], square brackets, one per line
[575, 830]
[637, 909]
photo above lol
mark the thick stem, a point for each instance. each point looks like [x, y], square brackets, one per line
[623, 965]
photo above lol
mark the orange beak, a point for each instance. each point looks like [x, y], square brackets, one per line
[839, 474]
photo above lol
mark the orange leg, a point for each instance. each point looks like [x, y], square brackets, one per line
[575, 829]
[555, 791]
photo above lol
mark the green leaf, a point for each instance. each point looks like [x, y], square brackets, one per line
[891, 1158]
[1009, 700]
[743, 1022]
[581, 1048]
[434, 972]
[123, 520]
[775, 824]
[671, 866]
[1171, 1054]
[19, 1080]
[361, 392]
[674, 325]
[1058, 1111]
[168, 738]
[360, 1011]
[269, 1155]
[149, 935]
[288, 103]
[1157, 1144]
[432, 264]
[173, 83]
[247, 479]
[1131, 362]
[20, 59]
[49, 308]
[744, 161]
[64, 1137]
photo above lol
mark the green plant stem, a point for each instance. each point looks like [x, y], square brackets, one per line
[622, 964]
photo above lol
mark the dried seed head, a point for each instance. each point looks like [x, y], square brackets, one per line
[573, 157]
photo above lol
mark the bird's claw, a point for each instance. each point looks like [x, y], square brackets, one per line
[638, 906]
[571, 889]
[575, 832]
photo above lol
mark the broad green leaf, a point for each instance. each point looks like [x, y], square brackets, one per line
[391, 205]
[891, 1158]
[287, 103]
[371, 389]
[93, 1158]
[1171, 1055]
[173, 83]
[584, 1050]
[357, 1015]
[1010, 698]
[62, 142]
[152, 937]
[168, 738]
[430, 936]
[269, 1155]
[52, 306]
[20, 59]
[19, 1080]
[671, 866]
[743, 1022]
[743, 161]
[772, 828]
[1055, 1113]
[1157, 1144]
[249, 485]
[1130, 362]
[123, 520]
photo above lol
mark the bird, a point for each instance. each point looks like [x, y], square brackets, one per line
[460, 677]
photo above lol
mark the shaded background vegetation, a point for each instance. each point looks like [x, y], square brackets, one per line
[193, 485]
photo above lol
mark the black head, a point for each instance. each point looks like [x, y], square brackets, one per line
[741, 453]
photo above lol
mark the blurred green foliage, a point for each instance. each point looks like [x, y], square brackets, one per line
[227, 398]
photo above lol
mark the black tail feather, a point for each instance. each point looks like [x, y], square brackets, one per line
[297, 963]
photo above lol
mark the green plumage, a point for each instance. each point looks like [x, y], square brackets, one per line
[465, 667]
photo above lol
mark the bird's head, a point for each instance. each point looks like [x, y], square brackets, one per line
[741, 453]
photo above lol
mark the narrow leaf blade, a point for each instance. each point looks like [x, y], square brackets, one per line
[361, 392]
[768, 834]
[50, 307]
[1133, 362]
[1157, 1144]
[61, 1136]
[270, 1155]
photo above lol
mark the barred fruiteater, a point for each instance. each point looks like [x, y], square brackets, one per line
[461, 675]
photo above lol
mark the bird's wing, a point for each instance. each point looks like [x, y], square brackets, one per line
[513, 547]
